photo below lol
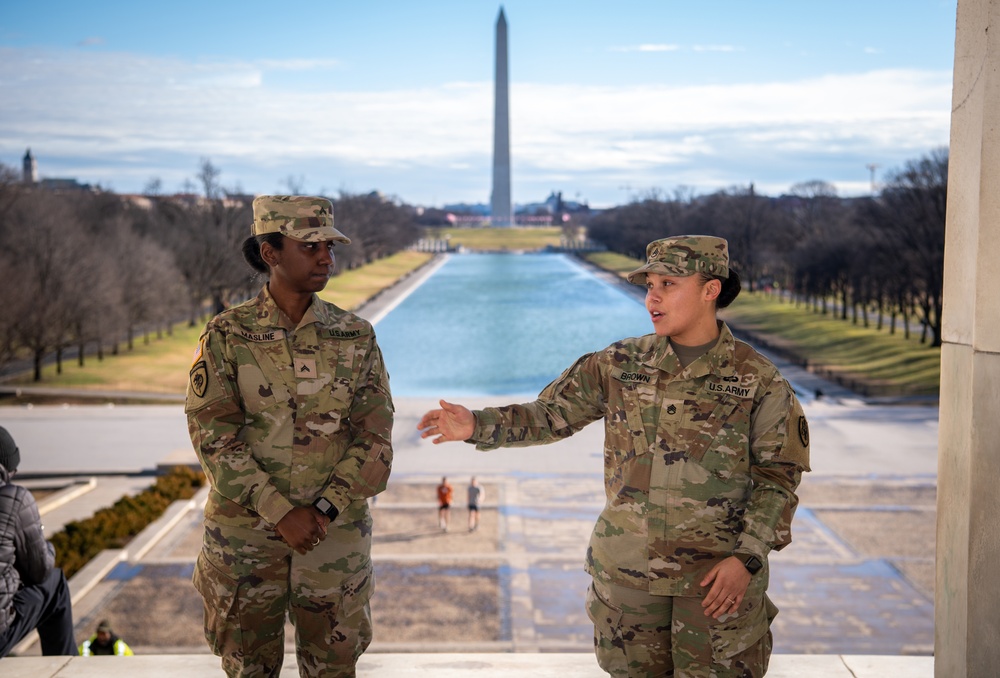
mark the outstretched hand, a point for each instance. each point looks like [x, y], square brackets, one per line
[451, 422]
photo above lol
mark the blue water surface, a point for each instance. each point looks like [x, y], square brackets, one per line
[502, 324]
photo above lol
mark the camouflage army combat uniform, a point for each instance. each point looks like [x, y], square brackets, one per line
[281, 415]
[699, 462]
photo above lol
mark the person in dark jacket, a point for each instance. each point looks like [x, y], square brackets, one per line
[33, 591]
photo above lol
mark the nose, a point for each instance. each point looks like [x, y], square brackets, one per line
[326, 254]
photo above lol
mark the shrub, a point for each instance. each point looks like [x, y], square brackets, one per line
[115, 526]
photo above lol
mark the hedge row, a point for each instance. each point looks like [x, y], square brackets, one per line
[115, 526]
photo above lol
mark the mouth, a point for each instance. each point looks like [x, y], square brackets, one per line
[656, 316]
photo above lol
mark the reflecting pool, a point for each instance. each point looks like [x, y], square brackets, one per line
[502, 324]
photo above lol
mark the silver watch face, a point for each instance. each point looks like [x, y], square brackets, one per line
[323, 504]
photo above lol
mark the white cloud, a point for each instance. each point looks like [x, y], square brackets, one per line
[101, 109]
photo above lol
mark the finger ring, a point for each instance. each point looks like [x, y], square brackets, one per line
[315, 543]
[730, 600]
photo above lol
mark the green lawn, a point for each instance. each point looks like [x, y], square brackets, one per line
[887, 364]
[499, 239]
[162, 366]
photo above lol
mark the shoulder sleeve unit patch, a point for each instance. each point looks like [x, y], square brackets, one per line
[199, 378]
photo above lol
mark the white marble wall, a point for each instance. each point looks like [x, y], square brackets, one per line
[967, 622]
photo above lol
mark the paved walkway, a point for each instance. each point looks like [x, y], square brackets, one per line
[453, 665]
[858, 578]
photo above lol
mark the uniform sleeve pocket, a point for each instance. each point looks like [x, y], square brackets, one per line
[374, 472]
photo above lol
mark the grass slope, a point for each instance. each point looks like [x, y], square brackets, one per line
[499, 239]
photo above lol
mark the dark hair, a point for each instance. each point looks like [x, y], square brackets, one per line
[731, 287]
[251, 250]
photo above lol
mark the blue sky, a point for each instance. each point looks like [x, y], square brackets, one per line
[608, 100]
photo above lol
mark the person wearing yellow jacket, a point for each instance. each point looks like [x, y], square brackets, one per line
[105, 642]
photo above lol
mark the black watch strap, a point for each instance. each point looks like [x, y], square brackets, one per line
[750, 561]
[326, 507]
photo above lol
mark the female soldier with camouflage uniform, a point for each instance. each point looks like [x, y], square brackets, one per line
[705, 445]
[289, 410]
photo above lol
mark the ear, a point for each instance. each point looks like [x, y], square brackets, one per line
[269, 254]
[712, 289]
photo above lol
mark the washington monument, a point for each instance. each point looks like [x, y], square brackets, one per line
[501, 213]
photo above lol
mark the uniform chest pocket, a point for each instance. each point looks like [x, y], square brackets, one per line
[719, 436]
[338, 360]
[257, 392]
[638, 405]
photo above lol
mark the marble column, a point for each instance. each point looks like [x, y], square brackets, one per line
[967, 589]
[501, 213]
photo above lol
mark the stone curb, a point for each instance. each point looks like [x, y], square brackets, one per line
[75, 489]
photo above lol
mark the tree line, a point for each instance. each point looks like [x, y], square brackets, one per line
[93, 271]
[871, 260]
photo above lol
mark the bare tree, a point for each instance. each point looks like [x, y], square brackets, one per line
[208, 175]
[908, 219]
[48, 245]
[376, 226]
[295, 184]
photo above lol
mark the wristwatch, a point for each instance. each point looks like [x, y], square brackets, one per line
[326, 507]
[750, 561]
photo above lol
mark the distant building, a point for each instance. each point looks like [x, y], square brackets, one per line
[30, 175]
[66, 185]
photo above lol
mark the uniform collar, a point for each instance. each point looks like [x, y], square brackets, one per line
[269, 315]
[720, 359]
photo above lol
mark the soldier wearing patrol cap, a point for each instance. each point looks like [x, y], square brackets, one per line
[705, 444]
[289, 410]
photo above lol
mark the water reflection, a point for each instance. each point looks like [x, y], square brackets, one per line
[502, 324]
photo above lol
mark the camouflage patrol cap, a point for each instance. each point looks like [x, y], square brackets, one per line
[684, 255]
[297, 216]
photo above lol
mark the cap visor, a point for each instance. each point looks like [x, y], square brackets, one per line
[319, 235]
[638, 276]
